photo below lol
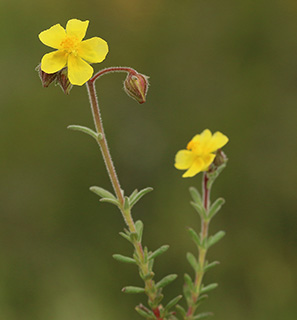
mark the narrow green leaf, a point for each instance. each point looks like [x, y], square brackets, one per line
[210, 265]
[195, 195]
[208, 288]
[201, 299]
[139, 195]
[181, 310]
[195, 237]
[133, 194]
[126, 204]
[139, 229]
[86, 130]
[158, 252]
[133, 236]
[131, 289]
[166, 281]
[215, 207]
[203, 315]
[192, 261]
[102, 192]
[172, 302]
[126, 236]
[124, 259]
[144, 312]
[112, 201]
[200, 209]
[215, 238]
[188, 281]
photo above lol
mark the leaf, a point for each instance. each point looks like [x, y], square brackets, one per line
[158, 252]
[133, 194]
[109, 200]
[208, 288]
[200, 209]
[201, 299]
[144, 312]
[181, 310]
[215, 207]
[139, 195]
[188, 281]
[210, 265]
[90, 132]
[131, 289]
[203, 315]
[126, 204]
[172, 302]
[195, 237]
[215, 238]
[126, 236]
[166, 281]
[195, 195]
[139, 229]
[102, 193]
[192, 261]
[124, 259]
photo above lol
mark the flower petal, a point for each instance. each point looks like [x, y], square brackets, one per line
[195, 168]
[79, 71]
[53, 36]
[217, 141]
[77, 28]
[207, 160]
[184, 159]
[53, 61]
[93, 50]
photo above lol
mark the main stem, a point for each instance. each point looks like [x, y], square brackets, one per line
[202, 251]
[149, 284]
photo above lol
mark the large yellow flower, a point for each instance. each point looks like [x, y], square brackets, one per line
[72, 52]
[200, 152]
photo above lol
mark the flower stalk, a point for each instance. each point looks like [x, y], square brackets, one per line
[140, 254]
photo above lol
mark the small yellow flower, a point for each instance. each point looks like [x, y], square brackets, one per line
[200, 153]
[72, 52]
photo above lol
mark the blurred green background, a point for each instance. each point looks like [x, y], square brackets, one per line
[224, 65]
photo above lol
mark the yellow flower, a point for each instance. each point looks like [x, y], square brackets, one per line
[72, 52]
[200, 152]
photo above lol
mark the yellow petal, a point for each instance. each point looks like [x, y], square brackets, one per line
[217, 141]
[93, 50]
[53, 61]
[207, 161]
[79, 71]
[195, 168]
[53, 36]
[184, 159]
[77, 28]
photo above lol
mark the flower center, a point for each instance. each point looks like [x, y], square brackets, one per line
[195, 147]
[69, 44]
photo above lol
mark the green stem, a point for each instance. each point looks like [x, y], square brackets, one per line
[202, 251]
[150, 288]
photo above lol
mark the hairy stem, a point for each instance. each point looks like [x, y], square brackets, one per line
[202, 251]
[150, 288]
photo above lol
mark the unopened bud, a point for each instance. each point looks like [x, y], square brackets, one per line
[220, 158]
[46, 78]
[136, 86]
[63, 81]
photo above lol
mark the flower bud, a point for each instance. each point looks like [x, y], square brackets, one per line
[46, 78]
[220, 158]
[63, 80]
[136, 86]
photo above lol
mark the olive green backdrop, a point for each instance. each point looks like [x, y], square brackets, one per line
[225, 65]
